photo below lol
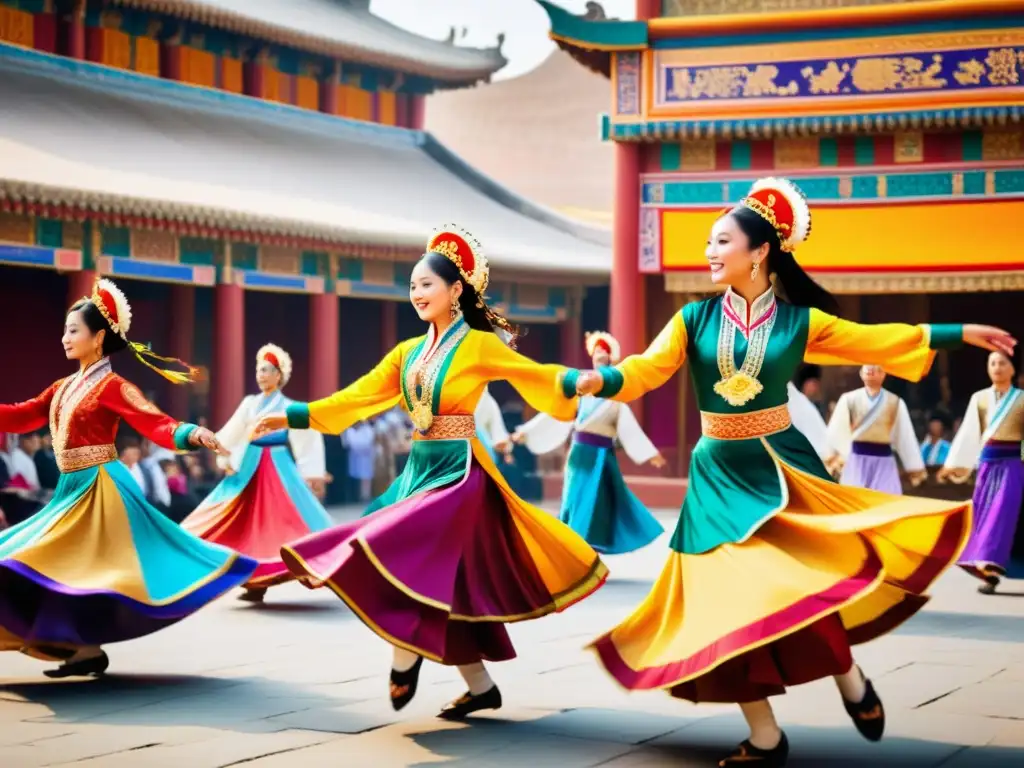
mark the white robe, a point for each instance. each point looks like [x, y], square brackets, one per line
[606, 418]
[842, 433]
[489, 420]
[307, 445]
[808, 421]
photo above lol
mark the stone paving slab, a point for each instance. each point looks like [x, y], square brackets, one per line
[301, 682]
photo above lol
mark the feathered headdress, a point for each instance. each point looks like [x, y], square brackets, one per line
[603, 340]
[278, 358]
[112, 304]
[781, 203]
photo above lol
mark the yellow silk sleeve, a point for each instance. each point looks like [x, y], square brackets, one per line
[651, 369]
[375, 392]
[539, 384]
[901, 350]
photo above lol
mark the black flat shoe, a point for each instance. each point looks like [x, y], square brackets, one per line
[467, 704]
[747, 754]
[95, 666]
[403, 685]
[989, 587]
[868, 714]
[252, 595]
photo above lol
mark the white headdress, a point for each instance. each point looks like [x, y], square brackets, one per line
[278, 358]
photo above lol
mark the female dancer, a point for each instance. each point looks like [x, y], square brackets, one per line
[596, 503]
[451, 554]
[267, 497]
[98, 564]
[990, 438]
[775, 569]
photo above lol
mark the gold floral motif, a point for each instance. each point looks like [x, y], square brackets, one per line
[738, 389]
[15, 228]
[74, 459]
[450, 427]
[797, 153]
[1002, 66]
[698, 155]
[744, 426]
[1000, 145]
[969, 72]
[136, 399]
[891, 73]
[686, 84]
[909, 147]
[152, 245]
[828, 81]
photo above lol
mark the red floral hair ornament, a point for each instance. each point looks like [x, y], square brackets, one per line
[781, 203]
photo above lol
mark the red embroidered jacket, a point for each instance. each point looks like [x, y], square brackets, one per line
[84, 411]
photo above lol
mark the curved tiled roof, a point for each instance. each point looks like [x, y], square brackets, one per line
[341, 28]
[90, 137]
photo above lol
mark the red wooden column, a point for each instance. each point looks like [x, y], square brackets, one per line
[627, 285]
[80, 284]
[182, 344]
[324, 345]
[227, 374]
[647, 9]
[388, 326]
[76, 31]
[417, 111]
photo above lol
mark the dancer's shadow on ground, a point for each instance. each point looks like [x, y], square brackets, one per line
[590, 737]
[242, 704]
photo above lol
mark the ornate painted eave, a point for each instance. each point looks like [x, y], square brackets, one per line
[321, 183]
[591, 41]
[877, 283]
[767, 128]
[337, 29]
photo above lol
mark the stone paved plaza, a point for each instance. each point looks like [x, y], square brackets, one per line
[301, 682]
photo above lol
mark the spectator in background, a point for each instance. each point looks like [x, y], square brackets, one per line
[183, 501]
[150, 477]
[808, 381]
[46, 462]
[935, 446]
[22, 463]
[361, 442]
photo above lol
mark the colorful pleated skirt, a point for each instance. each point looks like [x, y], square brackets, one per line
[447, 556]
[99, 565]
[998, 497]
[775, 571]
[597, 504]
[264, 505]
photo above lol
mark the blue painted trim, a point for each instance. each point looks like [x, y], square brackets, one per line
[834, 33]
[28, 256]
[265, 281]
[171, 93]
[531, 313]
[357, 289]
[673, 130]
[121, 266]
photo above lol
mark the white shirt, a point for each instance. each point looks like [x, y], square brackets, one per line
[22, 464]
[161, 493]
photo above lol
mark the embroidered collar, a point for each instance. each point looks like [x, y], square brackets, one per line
[760, 312]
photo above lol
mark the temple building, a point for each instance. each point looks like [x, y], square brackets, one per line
[901, 121]
[252, 172]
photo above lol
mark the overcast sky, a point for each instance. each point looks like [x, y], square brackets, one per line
[523, 21]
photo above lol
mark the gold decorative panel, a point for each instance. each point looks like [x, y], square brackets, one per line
[73, 237]
[17, 229]
[698, 155]
[909, 147]
[797, 153]
[532, 296]
[718, 7]
[151, 245]
[1001, 145]
[277, 259]
[377, 272]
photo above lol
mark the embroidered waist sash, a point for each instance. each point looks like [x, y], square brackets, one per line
[589, 438]
[74, 459]
[460, 426]
[863, 448]
[745, 426]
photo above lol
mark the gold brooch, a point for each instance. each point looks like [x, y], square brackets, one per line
[738, 389]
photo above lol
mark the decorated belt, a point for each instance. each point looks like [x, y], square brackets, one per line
[589, 438]
[870, 449]
[74, 459]
[999, 450]
[460, 426]
[745, 426]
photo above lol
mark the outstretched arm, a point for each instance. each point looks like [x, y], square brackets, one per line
[29, 415]
[543, 434]
[125, 399]
[375, 392]
[548, 388]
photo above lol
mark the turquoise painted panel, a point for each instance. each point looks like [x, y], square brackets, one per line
[244, 256]
[864, 150]
[600, 34]
[971, 146]
[496, 293]
[739, 155]
[693, 192]
[919, 184]
[50, 232]
[671, 156]
[117, 241]
[828, 152]
[557, 297]
[865, 187]
[350, 269]
[1009, 182]
[737, 190]
[196, 250]
[403, 274]
[974, 183]
[288, 60]
[825, 188]
[312, 263]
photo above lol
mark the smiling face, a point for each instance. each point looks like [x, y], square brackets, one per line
[729, 253]
[431, 296]
[79, 342]
[268, 378]
[1000, 369]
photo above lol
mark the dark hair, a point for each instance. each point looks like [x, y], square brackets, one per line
[791, 282]
[96, 322]
[475, 311]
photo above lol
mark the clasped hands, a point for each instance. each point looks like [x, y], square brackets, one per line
[589, 383]
[272, 422]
